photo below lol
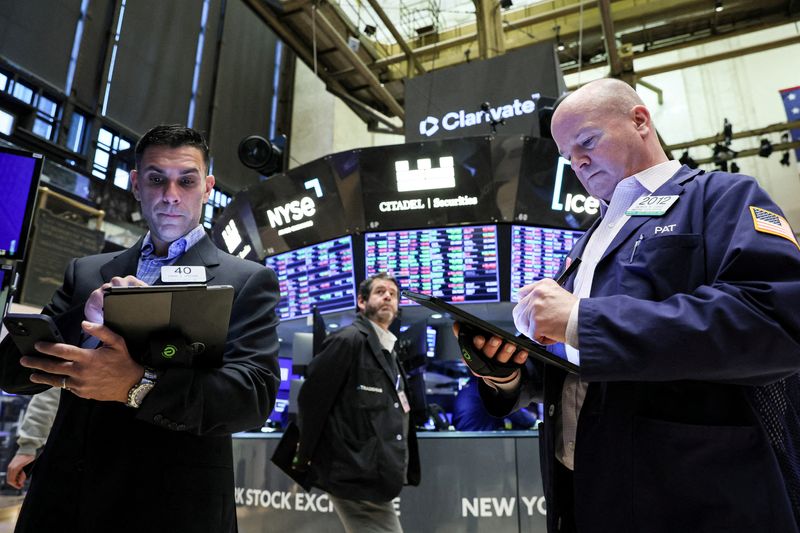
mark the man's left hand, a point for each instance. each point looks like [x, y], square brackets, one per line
[106, 373]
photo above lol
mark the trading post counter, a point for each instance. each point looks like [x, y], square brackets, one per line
[471, 481]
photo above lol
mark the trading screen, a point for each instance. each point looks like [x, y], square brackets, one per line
[457, 264]
[538, 253]
[318, 275]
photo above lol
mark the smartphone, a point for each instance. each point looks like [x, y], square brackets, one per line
[27, 330]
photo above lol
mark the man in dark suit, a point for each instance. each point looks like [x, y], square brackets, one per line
[137, 447]
[356, 442]
[683, 318]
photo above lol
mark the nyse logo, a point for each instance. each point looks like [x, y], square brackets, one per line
[429, 126]
[575, 203]
[296, 211]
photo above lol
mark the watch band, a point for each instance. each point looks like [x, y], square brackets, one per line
[138, 392]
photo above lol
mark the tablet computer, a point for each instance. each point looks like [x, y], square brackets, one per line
[534, 350]
[190, 321]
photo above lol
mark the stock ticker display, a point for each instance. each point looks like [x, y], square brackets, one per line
[318, 275]
[538, 253]
[457, 264]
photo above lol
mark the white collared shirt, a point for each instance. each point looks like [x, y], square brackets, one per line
[574, 391]
[386, 337]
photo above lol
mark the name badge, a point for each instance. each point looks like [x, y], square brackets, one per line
[404, 401]
[183, 274]
[651, 206]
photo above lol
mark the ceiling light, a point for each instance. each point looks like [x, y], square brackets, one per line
[765, 149]
[718, 7]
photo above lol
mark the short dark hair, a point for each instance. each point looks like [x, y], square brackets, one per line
[365, 287]
[174, 136]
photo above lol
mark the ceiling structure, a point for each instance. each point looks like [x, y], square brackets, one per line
[364, 49]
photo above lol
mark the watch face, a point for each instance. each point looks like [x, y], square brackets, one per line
[139, 393]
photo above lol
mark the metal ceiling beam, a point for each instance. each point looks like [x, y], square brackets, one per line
[397, 37]
[489, 23]
[338, 41]
[376, 115]
[333, 85]
[614, 63]
[718, 57]
[714, 139]
[473, 36]
[754, 151]
[684, 44]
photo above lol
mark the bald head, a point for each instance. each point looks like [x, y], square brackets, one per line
[613, 95]
[606, 132]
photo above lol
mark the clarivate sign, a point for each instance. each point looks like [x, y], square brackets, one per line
[464, 119]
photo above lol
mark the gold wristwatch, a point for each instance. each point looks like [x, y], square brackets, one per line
[139, 391]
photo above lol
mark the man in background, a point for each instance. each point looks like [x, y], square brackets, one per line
[32, 431]
[356, 442]
[148, 448]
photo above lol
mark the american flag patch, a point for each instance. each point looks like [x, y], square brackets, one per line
[769, 222]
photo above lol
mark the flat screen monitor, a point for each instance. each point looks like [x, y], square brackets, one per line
[319, 275]
[19, 180]
[538, 253]
[457, 264]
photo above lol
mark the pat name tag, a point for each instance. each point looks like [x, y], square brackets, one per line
[404, 401]
[183, 274]
[651, 206]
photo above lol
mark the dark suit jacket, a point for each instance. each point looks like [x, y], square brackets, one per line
[690, 343]
[351, 420]
[166, 466]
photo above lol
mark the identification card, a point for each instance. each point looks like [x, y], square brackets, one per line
[183, 274]
[651, 206]
[404, 401]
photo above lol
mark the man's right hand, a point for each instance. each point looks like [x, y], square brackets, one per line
[496, 349]
[15, 475]
[93, 310]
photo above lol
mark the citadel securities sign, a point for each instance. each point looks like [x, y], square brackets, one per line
[461, 119]
[469, 99]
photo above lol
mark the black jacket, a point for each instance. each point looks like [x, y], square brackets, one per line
[351, 419]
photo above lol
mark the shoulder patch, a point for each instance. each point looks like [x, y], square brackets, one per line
[772, 223]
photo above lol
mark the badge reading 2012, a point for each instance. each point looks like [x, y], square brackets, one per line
[651, 206]
[183, 274]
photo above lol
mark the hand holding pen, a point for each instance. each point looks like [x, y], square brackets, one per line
[544, 308]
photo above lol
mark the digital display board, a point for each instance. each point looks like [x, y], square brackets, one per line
[457, 264]
[538, 253]
[19, 179]
[318, 275]
[437, 183]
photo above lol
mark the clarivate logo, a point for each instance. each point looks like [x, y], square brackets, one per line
[429, 126]
[464, 119]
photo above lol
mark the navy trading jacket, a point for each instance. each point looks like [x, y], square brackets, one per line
[690, 343]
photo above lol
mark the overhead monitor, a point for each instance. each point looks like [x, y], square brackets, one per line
[319, 275]
[457, 264]
[428, 184]
[19, 180]
[538, 253]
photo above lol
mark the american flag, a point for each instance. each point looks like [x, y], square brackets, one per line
[769, 222]
[791, 102]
